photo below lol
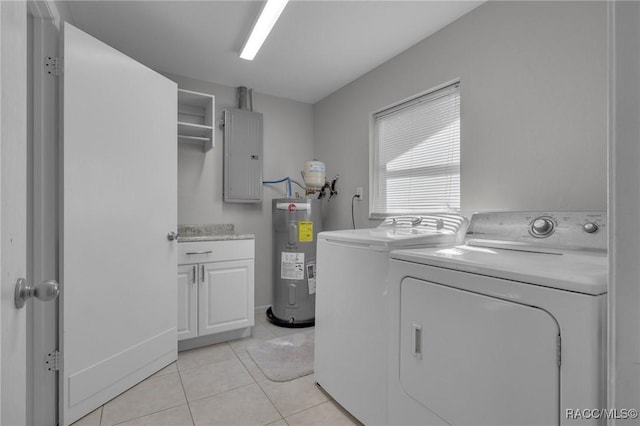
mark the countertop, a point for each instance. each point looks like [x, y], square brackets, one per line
[210, 232]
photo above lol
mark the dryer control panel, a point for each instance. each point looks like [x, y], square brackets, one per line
[541, 230]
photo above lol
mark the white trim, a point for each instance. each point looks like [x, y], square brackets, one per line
[44, 200]
[623, 66]
[213, 339]
[45, 9]
[611, 187]
[2, 231]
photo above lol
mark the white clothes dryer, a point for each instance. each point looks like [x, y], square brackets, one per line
[507, 329]
[352, 311]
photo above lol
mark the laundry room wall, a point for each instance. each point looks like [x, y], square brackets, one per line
[288, 143]
[533, 108]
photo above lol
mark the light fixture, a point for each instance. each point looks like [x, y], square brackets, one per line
[262, 28]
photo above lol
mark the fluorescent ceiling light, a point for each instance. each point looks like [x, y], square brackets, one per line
[262, 28]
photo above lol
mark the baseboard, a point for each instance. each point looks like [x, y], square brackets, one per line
[212, 339]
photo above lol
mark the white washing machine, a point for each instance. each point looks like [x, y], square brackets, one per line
[507, 329]
[351, 307]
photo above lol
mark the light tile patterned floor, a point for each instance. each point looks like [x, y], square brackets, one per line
[221, 385]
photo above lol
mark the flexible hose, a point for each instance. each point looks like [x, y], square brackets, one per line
[286, 179]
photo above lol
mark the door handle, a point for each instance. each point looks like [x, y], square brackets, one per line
[46, 290]
[202, 280]
[172, 236]
[189, 253]
[416, 349]
[195, 273]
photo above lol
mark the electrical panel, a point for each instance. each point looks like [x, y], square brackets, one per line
[242, 156]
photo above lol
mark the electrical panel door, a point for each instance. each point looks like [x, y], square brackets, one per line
[242, 156]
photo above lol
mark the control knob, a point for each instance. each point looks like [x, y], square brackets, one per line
[590, 227]
[542, 227]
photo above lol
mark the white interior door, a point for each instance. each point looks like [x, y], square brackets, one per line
[119, 185]
[13, 208]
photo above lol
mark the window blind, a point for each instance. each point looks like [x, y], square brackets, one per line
[416, 155]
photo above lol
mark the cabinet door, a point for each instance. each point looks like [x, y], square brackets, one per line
[187, 301]
[226, 296]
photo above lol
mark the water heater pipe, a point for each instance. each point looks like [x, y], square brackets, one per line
[245, 98]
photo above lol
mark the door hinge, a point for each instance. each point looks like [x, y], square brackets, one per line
[53, 360]
[53, 65]
[559, 350]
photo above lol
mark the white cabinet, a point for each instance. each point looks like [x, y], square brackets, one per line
[196, 113]
[215, 287]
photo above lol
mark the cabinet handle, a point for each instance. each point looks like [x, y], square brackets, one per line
[416, 350]
[202, 266]
[189, 253]
[193, 280]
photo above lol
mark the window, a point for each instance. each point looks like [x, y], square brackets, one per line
[416, 155]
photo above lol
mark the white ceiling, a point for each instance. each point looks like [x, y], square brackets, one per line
[315, 48]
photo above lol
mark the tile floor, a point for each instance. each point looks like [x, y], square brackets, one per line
[221, 385]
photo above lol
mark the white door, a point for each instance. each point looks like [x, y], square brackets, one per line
[475, 359]
[119, 178]
[225, 296]
[13, 208]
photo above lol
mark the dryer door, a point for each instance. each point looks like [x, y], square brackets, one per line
[475, 359]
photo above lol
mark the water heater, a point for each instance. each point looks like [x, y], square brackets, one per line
[296, 223]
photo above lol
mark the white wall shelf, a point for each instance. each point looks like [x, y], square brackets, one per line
[195, 118]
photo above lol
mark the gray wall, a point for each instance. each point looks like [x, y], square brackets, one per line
[533, 107]
[288, 143]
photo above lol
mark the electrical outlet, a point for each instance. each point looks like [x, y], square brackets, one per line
[359, 193]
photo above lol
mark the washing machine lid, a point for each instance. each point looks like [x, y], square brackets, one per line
[389, 238]
[568, 270]
[403, 231]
